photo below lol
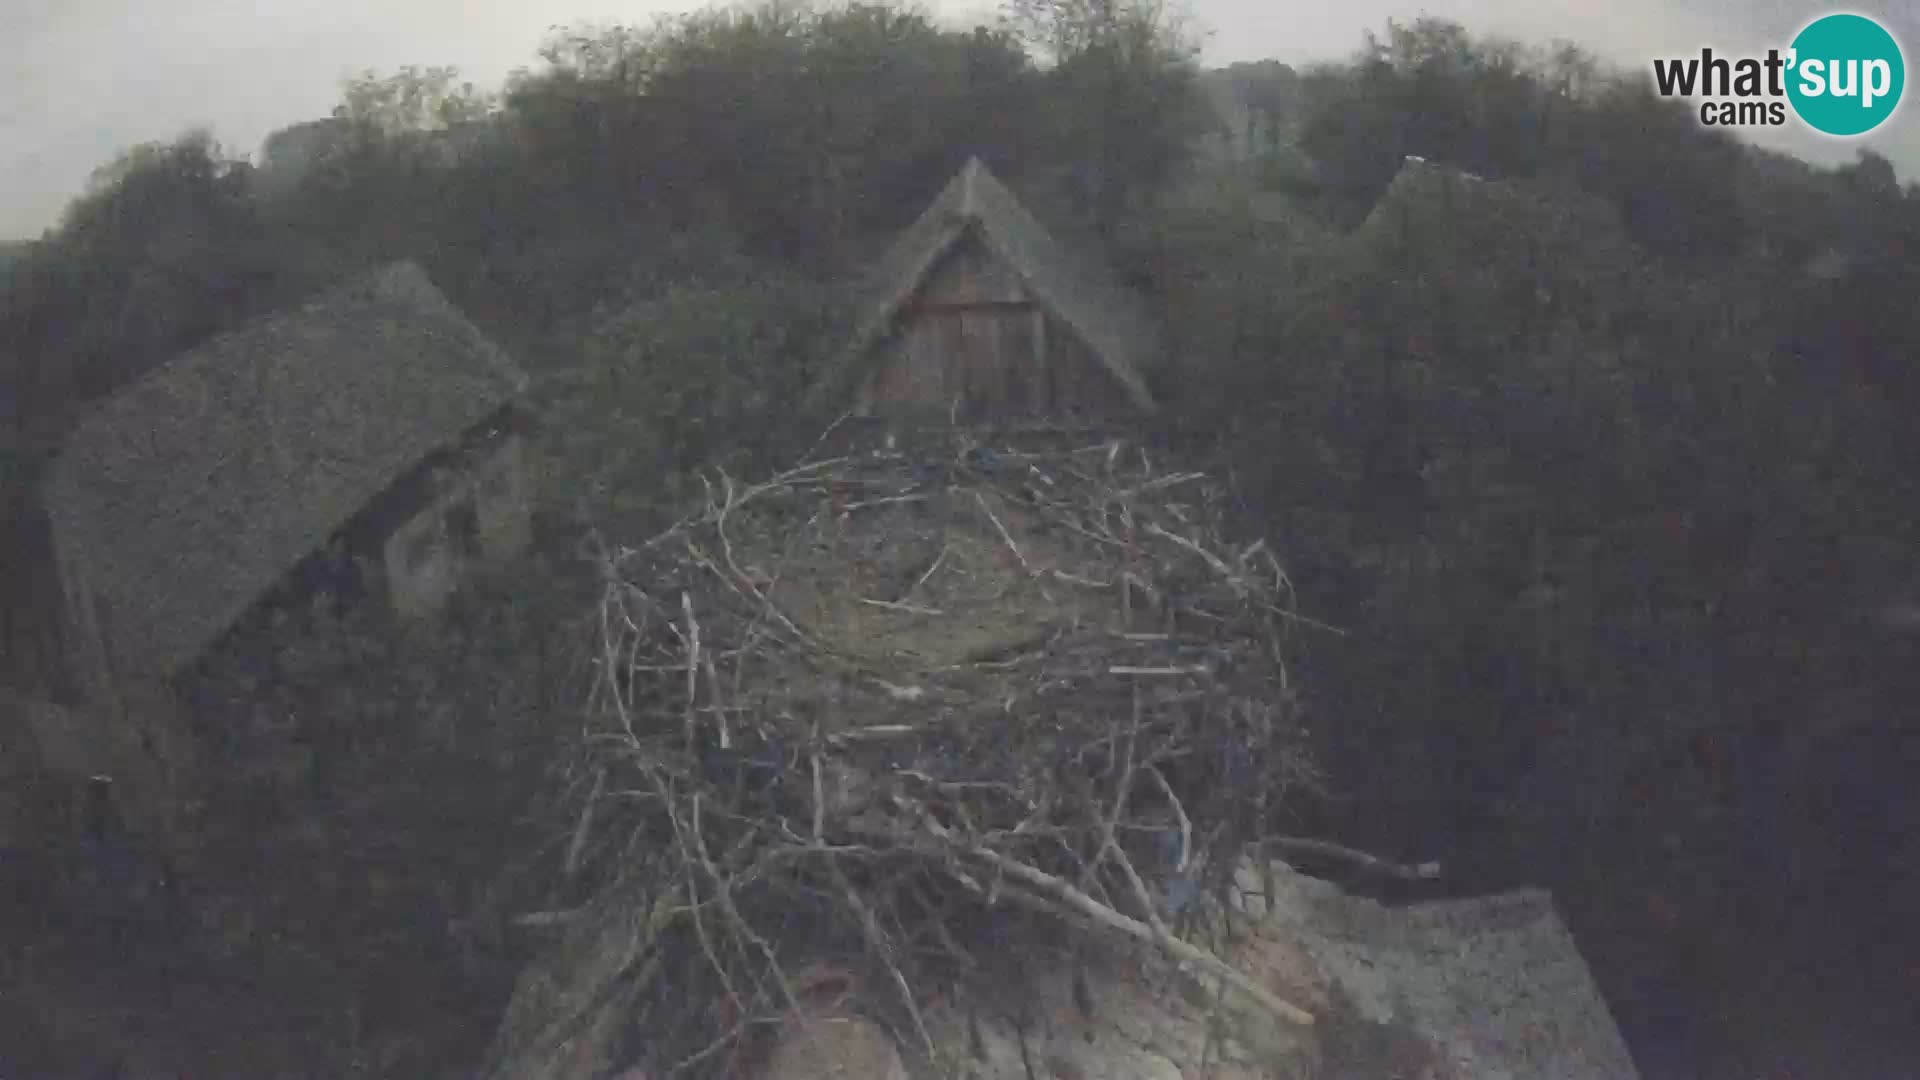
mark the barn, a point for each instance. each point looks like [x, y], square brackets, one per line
[368, 442]
[977, 315]
[373, 427]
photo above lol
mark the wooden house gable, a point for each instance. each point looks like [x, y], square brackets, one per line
[977, 315]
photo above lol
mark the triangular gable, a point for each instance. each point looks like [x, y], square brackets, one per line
[1105, 317]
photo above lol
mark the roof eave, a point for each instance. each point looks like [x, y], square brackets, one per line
[962, 205]
[1120, 368]
[846, 368]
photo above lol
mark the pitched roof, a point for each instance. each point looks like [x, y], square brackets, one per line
[1503, 971]
[186, 495]
[1105, 315]
[1444, 197]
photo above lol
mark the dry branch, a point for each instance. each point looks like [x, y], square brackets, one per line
[798, 761]
[1106, 916]
[1425, 871]
[894, 605]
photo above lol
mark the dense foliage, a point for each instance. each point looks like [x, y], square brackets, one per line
[1598, 457]
[1611, 442]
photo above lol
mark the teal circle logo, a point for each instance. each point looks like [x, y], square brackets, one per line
[1846, 74]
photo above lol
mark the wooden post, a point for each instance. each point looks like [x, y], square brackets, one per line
[1043, 382]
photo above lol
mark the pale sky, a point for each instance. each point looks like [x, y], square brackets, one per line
[82, 79]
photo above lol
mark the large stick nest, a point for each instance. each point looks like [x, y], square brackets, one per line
[877, 713]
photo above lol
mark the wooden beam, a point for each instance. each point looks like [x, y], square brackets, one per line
[1043, 389]
[920, 307]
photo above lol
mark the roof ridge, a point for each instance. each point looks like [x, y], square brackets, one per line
[969, 187]
[222, 467]
[1099, 309]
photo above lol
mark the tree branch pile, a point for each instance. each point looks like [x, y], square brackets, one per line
[858, 723]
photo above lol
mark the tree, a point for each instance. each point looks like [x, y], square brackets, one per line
[1670, 178]
[1124, 82]
[163, 249]
[413, 99]
[1495, 109]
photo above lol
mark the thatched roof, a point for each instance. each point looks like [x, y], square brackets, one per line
[1485, 987]
[188, 494]
[1496, 983]
[1440, 196]
[1104, 314]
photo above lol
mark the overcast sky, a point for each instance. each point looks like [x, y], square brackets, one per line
[82, 79]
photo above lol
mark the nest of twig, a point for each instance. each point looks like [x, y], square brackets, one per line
[868, 714]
